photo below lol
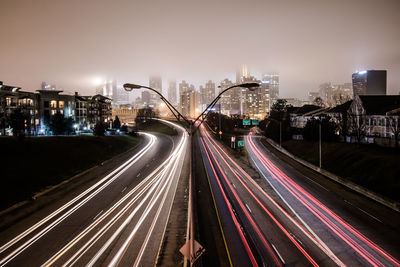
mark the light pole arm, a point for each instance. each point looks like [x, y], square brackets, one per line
[212, 104]
[175, 112]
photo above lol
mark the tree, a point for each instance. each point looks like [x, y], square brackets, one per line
[116, 123]
[58, 124]
[99, 128]
[18, 121]
[279, 109]
[124, 128]
[69, 125]
[394, 125]
[277, 125]
[357, 126]
[328, 129]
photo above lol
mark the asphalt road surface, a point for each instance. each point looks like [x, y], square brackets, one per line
[262, 225]
[119, 219]
[354, 233]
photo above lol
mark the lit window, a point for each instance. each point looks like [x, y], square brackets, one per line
[53, 112]
[53, 104]
[61, 104]
[62, 111]
[8, 101]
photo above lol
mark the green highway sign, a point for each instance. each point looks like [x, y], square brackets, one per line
[254, 122]
[246, 122]
[240, 143]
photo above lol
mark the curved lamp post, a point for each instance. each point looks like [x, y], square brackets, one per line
[130, 86]
[178, 115]
[250, 86]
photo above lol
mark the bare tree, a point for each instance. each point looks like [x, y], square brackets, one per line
[394, 126]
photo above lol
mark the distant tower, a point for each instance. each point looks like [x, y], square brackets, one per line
[369, 82]
[273, 81]
[230, 101]
[155, 82]
[242, 73]
[207, 94]
[172, 92]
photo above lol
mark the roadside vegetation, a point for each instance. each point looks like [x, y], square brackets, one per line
[376, 168]
[371, 166]
[145, 121]
[31, 164]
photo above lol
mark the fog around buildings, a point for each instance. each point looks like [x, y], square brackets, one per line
[74, 44]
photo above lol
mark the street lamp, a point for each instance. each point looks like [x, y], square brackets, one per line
[130, 86]
[250, 86]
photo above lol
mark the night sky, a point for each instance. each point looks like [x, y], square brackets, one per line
[73, 44]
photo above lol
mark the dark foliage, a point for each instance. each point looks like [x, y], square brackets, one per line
[328, 129]
[61, 125]
[116, 123]
[19, 121]
[99, 128]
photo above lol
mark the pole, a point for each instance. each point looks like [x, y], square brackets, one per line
[320, 159]
[280, 133]
[219, 117]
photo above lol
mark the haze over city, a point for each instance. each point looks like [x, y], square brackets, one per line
[73, 44]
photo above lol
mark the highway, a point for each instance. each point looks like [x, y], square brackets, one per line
[260, 227]
[119, 219]
[258, 231]
[345, 229]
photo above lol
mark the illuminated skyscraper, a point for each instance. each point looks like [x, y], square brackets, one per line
[207, 94]
[230, 101]
[369, 82]
[273, 87]
[172, 92]
[155, 82]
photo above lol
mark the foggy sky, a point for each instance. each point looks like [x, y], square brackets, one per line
[72, 43]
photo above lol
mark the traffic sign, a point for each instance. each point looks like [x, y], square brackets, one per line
[233, 139]
[246, 122]
[240, 143]
[254, 122]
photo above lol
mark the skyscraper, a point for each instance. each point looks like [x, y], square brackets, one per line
[369, 82]
[254, 105]
[230, 101]
[207, 94]
[172, 92]
[273, 87]
[183, 87]
[155, 82]
[188, 100]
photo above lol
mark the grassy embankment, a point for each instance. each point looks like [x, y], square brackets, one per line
[30, 165]
[156, 126]
[376, 168]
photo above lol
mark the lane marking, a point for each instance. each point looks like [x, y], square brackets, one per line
[97, 215]
[247, 206]
[124, 189]
[277, 252]
[370, 215]
[83, 198]
[217, 213]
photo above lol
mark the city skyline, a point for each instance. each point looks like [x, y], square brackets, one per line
[307, 43]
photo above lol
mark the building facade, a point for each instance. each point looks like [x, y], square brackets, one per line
[41, 105]
[369, 82]
[172, 92]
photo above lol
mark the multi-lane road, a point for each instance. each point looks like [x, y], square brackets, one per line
[263, 211]
[118, 219]
[286, 218]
